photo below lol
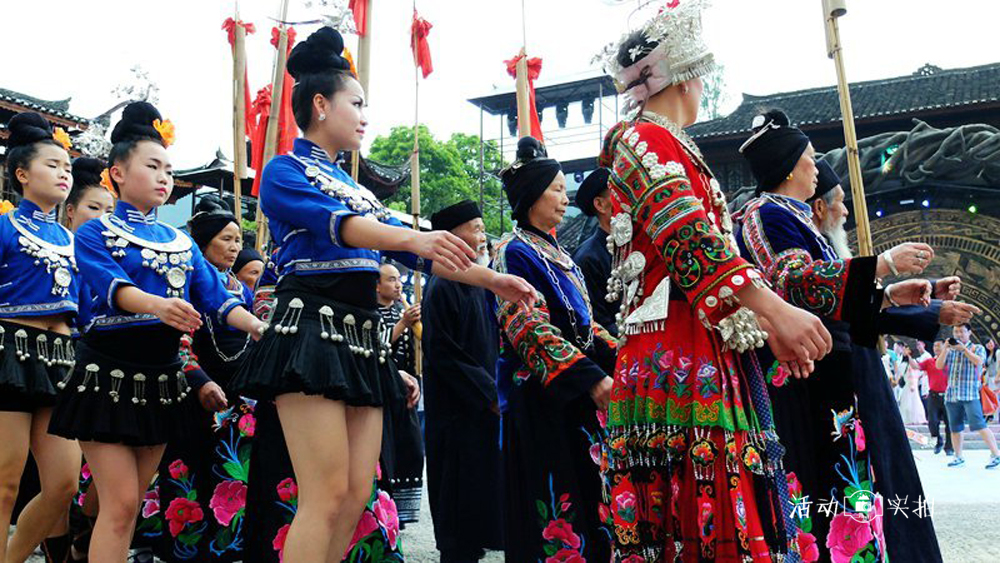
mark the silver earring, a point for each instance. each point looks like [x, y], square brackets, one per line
[322, 117]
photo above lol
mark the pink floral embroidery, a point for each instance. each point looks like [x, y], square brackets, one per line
[859, 435]
[625, 506]
[85, 471]
[565, 556]
[151, 503]
[875, 517]
[229, 498]
[288, 491]
[634, 559]
[780, 377]
[562, 531]
[385, 512]
[365, 526]
[247, 425]
[595, 453]
[808, 549]
[178, 470]
[278, 543]
[182, 512]
[848, 535]
[794, 486]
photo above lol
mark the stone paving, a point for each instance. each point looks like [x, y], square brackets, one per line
[966, 511]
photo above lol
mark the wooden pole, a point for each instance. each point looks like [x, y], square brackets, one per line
[364, 73]
[523, 100]
[239, 116]
[831, 11]
[415, 206]
[271, 135]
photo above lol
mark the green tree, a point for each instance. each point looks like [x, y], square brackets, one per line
[714, 96]
[449, 173]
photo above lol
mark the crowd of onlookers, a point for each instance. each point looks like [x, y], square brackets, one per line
[954, 381]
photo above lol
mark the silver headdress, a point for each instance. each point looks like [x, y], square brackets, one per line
[680, 53]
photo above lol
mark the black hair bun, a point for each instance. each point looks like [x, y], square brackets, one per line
[776, 115]
[212, 204]
[529, 148]
[137, 123]
[27, 128]
[318, 54]
[87, 172]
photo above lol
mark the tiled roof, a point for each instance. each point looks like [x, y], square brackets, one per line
[58, 108]
[928, 89]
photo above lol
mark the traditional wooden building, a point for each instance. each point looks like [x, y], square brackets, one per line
[56, 111]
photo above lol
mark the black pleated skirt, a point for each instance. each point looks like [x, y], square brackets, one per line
[318, 345]
[32, 363]
[127, 388]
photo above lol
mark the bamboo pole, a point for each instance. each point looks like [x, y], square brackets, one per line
[239, 116]
[523, 100]
[415, 206]
[271, 136]
[364, 73]
[832, 10]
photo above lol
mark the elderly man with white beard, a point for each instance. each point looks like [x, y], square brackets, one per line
[909, 539]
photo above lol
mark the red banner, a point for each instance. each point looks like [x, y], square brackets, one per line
[360, 10]
[418, 44]
[287, 130]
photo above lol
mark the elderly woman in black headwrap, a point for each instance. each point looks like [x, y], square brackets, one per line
[552, 379]
[821, 420]
[208, 469]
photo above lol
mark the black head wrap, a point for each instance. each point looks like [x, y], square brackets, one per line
[455, 215]
[774, 149]
[595, 184]
[210, 217]
[528, 177]
[826, 180]
[246, 256]
[320, 53]
[137, 123]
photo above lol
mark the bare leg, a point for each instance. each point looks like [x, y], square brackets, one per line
[364, 437]
[990, 440]
[956, 439]
[58, 470]
[315, 430]
[116, 475]
[15, 427]
[147, 461]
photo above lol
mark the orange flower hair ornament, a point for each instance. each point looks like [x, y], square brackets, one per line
[350, 59]
[62, 137]
[106, 182]
[166, 130]
[5, 206]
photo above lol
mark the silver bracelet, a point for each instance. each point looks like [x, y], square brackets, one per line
[887, 256]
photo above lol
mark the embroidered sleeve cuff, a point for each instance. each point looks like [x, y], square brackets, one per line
[113, 288]
[716, 299]
[226, 308]
[336, 223]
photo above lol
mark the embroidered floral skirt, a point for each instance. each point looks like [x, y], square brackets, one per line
[687, 463]
[554, 509]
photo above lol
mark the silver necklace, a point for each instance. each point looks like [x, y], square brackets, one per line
[58, 259]
[585, 342]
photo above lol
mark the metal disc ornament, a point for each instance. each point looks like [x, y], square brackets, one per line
[176, 277]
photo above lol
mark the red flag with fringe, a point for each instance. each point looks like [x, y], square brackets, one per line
[418, 44]
[534, 69]
[287, 130]
[359, 8]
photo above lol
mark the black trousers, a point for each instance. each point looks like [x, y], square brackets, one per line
[935, 414]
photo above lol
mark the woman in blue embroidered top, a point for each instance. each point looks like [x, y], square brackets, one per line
[149, 285]
[322, 362]
[38, 285]
[552, 380]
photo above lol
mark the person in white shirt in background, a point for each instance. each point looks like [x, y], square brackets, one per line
[915, 362]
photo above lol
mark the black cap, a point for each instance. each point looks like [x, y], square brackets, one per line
[455, 215]
[592, 187]
[826, 180]
[246, 256]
